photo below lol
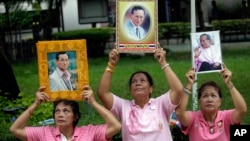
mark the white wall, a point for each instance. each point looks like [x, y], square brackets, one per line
[70, 16]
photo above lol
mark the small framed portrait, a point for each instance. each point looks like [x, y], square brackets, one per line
[206, 51]
[63, 68]
[137, 26]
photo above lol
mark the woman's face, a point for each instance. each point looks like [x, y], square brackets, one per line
[64, 115]
[140, 87]
[209, 100]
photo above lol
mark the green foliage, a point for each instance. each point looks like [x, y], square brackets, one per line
[167, 30]
[96, 39]
[22, 19]
[42, 113]
[90, 34]
[231, 25]
[5, 134]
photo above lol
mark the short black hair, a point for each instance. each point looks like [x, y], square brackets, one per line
[137, 7]
[60, 53]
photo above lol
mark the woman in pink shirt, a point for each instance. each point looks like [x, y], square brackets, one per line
[66, 115]
[143, 118]
[210, 123]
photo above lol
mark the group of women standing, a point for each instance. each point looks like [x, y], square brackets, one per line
[143, 118]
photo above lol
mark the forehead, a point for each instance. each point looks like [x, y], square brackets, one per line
[204, 37]
[63, 105]
[209, 89]
[139, 75]
[63, 56]
[138, 11]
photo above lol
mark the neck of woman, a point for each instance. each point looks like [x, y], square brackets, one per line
[67, 132]
[210, 117]
[141, 102]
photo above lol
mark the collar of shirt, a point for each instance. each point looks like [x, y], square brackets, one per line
[149, 102]
[61, 73]
[74, 137]
[203, 120]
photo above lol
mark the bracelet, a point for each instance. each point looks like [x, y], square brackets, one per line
[187, 91]
[111, 66]
[108, 69]
[164, 66]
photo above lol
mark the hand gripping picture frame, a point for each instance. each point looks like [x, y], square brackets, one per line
[63, 68]
[136, 26]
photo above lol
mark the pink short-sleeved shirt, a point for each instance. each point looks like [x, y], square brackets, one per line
[147, 124]
[51, 133]
[199, 130]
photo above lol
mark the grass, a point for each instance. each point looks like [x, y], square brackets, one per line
[236, 61]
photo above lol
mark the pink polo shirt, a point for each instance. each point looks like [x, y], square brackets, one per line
[82, 133]
[199, 130]
[147, 124]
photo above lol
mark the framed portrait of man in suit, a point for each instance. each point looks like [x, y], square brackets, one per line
[136, 25]
[63, 68]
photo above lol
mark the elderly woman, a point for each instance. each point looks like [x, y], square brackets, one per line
[66, 115]
[210, 123]
[144, 118]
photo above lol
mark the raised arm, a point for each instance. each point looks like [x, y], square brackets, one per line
[180, 111]
[174, 82]
[18, 127]
[104, 86]
[113, 124]
[239, 102]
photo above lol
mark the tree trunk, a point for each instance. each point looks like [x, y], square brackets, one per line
[47, 24]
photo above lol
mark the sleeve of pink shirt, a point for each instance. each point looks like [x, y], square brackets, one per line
[97, 132]
[165, 101]
[36, 133]
[117, 106]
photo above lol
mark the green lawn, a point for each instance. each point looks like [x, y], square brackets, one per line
[236, 60]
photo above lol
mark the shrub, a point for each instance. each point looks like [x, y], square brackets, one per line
[96, 39]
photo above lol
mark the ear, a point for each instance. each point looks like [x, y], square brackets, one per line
[151, 89]
[76, 117]
[220, 102]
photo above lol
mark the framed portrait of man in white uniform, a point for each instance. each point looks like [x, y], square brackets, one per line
[206, 51]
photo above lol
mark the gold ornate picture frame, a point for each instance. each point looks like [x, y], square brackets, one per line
[77, 67]
[136, 26]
